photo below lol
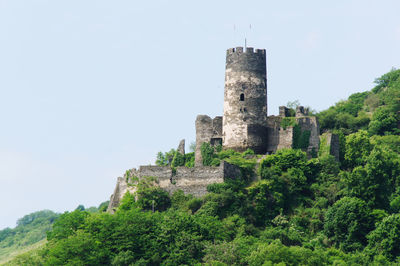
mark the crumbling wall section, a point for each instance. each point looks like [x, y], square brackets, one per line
[285, 138]
[329, 144]
[310, 123]
[282, 138]
[207, 130]
[191, 180]
[273, 130]
[120, 189]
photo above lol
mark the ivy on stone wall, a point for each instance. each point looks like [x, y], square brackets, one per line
[301, 139]
[178, 160]
[324, 148]
[207, 153]
[288, 122]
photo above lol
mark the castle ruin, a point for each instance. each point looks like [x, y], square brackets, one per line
[245, 124]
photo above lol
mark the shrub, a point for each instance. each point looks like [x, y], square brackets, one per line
[347, 223]
[385, 239]
[207, 153]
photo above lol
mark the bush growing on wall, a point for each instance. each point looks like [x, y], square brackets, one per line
[207, 153]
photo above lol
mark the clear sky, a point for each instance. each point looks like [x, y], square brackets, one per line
[91, 88]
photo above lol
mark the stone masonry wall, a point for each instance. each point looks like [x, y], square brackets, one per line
[334, 145]
[285, 138]
[310, 123]
[273, 129]
[245, 100]
[207, 130]
[191, 180]
[279, 138]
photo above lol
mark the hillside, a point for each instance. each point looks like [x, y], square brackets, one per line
[30, 230]
[288, 209]
[376, 111]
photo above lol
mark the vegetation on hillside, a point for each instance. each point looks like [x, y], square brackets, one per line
[31, 231]
[287, 209]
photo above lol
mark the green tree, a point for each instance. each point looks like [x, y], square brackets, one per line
[267, 199]
[385, 239]
[67, 224]
[153, 197]
[358, 147]
[375, 182]
[347, 223]
[384, 121]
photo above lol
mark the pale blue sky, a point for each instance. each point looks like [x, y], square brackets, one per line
[91, 88]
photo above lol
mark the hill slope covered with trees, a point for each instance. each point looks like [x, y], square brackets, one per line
[288, 208]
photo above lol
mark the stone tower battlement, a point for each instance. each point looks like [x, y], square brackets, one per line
[247, 50]
[245, 100]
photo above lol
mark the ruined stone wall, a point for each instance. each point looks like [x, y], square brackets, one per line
[191, 180]
[120, 189]
[329, 144]
[310, 123]
[280, 138]
[333, 139]
[273, 130]
[283, 111]
[207, 130]
[245, 100]
[285, 138]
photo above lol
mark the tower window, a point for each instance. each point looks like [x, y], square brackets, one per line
[242, 97]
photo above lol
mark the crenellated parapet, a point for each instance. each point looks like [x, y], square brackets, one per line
[245, 50]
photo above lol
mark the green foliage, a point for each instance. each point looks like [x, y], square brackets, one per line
[189, 159]
[347, 223]
[127, 202]
[103, 206]
[175, 159]
[375, 181]
[384, 122]
[30, 230]
[301, 139]
[246, 165]
[284, 159]
[286, 209]
[324, 147]
[215, 162]
[223, 154]
[178, 160]
[153, 197]
[355, 113]
[288, 122]
[67, 224]
[385, 239]
[390, 142]
[358, 147]
[165, 159]
[276, 253]
[207, 153]
[386, 80]
[267, 199]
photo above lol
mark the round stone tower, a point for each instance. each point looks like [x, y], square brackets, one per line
[245, 100]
